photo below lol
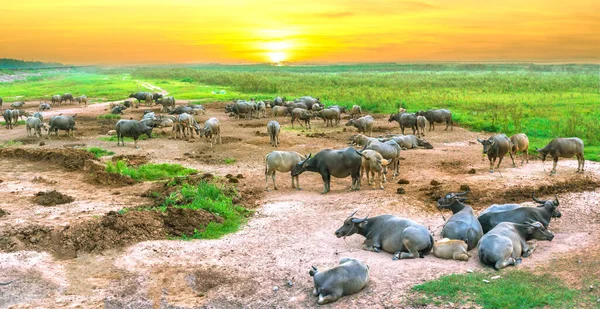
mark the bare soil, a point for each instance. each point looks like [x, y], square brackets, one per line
[51, 198]
[86, 254]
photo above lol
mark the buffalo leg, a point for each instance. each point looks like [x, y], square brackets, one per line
[373, 245]
[526, 154]
[580, 162]
[513, 159]
[459, 256]
[326, 179]
[500, 161]
[275, 184]
[507, 262]
[329, 298]
[492, 165]
[555, 161]
[528, 250]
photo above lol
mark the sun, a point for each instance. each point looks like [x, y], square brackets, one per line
[277, 56]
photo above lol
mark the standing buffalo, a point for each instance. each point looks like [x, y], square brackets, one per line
[421, 123]
[337, 163]
[355, 112]
[66, 97]
[439, 116]
[463, 225]
[1, 103]
[8, 120]
[81, 99]
[497, 214]
[273, 129]
[131, 128]
[166, 102]
[373, 162]
[156, 96]
[402, 237]
[507, 242]
[66, 123]
[301, 114]
[347, 278]
[389, 150]
[496, 147]
[36, 124]
[519, 142]
[282, 161]
[212, 130]
[278, 101]
[55, 100]
[564, 148]
[139, 96]
[405, 120]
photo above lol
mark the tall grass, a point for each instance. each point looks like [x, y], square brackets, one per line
[149, 171]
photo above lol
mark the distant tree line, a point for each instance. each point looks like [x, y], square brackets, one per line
[6, 63]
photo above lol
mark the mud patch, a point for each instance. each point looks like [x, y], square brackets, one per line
[184, 221]
[71, 159]
[252, 125]
[51, 198]
[452, 166]
[41, 179]
[220, 278]
[316, 134]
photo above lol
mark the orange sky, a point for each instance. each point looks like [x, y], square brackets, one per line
[325, 31]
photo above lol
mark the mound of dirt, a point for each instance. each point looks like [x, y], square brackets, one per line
[180, 221]
[100, 176]
[3, 213]
[71, 159]
[316, 134]
[131, 160]
[113, 230]
[51, 198]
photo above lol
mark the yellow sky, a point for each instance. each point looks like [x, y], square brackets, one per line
[237, 31]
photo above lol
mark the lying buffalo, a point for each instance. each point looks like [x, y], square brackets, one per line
[463, 225]
[337, 163]
[347, 278]
[507, 242]
[496, 147]
[564, 148]
[402, 237]
[497, 214]
[131, 128]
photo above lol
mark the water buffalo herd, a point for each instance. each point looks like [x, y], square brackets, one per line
[500, 233]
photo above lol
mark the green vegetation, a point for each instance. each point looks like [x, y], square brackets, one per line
[149, 171]
[10, 143]
[230, 160]
[212, 198]
[100, 152]
[109, 116]
[514, 289]
[20, 122]
[7, 63]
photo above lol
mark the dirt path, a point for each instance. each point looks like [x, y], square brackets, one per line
[153, 88]
[290, 231]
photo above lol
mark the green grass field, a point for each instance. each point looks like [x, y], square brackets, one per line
[543, 101]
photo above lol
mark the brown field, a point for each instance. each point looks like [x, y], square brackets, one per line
[79, 255]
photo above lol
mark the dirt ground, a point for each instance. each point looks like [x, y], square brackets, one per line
[266, 263]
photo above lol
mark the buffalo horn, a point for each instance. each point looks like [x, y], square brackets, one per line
[352, 214]
[479, 140]
[356, 220]
[535, 199]
[462, 193]
[556, 199]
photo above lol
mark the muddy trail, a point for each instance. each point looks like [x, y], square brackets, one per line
[90, 253]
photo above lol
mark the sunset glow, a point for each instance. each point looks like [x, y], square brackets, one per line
[239, 31]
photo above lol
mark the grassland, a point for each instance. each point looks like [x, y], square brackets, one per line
[149, 171]
[543, 101]
[514, 289]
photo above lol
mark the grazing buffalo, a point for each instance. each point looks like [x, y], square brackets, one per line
[337, 163]
[363, 124]
[329, 115]
[131, 128]
[66, 97]
[212, 130]
[166, 102]
[507, 242]
[35, 124]
[355, 112]
[139, 96]
[402, 237]
[405, 120]
[347, 278]
[519, 142]
[564, 148]
[439, 116]
[496, 147]
[463, 225]
[497, 214]
[301, 114]
[44, 106]
[273, 129]
[278, 101]
[81, 99]
[282, 161]
[156, 96]
[66, 123]
[17, 104]
[55, 100]
[187, 122]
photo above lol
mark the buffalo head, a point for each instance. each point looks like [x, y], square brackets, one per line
[553, 204]
[301, 166]
[350, 122]
[543, 153]
[351, 226]
[538, 231]
[447, 200]
[487, 144]
[425, 144]
[392, 117]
